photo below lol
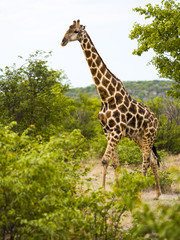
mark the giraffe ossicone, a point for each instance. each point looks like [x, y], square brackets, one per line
[120, 114]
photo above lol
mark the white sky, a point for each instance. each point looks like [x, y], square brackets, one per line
[30, 25]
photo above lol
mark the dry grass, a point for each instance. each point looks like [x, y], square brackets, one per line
[94, 178]
[170, 162]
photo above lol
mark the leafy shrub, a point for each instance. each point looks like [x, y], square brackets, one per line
[42, 197]
[98, 145]
[36, 182]
[164, 177]
[129, 152]
[129, 185]
[165, 181]
[161, 223]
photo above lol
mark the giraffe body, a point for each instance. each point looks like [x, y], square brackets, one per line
[120, 114]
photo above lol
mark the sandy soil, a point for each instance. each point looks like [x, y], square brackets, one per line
[94, 178]
[95, 175]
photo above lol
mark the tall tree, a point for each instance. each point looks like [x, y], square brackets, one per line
[34, 95]
[162, 35]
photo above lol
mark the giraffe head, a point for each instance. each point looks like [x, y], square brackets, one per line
[73, 33]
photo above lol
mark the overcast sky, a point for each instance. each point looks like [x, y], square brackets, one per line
[30, 25]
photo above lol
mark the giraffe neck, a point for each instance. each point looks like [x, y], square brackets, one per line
[106, 83]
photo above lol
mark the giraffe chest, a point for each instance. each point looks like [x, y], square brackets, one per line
[109, 119]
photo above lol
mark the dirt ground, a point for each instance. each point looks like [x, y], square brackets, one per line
[96, 171]
[94, 178]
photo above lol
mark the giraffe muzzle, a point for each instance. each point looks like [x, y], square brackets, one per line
[64, 42]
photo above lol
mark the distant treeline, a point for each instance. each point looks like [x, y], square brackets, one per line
[143, 90]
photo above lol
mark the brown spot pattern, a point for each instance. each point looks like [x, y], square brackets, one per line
[111, 89]
[132, 108]
[98, 61]
[93, 71]
[89, 62]
[122, 108]
[87, 53]
[119, 98]
[111, 123]
[99, 75]
[113, 81]
[96, 80]
[105, 82]
[103, 93]
[132, 122]
[103, 68]
[116, 114]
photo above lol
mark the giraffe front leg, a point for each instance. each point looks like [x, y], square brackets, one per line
[110, 153]
[105, 162]
[106, 159]
[115, 164]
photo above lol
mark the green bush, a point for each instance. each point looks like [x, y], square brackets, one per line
[165, 181]
[98, 145]
[37, 181]
[164, 177]
[42, 195]
[161, 223]
[129, 152]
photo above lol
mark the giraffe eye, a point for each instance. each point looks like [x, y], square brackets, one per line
[76, 31]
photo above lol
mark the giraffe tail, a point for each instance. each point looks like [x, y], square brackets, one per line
[157, 155]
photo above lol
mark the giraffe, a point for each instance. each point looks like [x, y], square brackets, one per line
[120, 114]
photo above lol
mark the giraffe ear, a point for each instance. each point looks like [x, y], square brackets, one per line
[83, 27]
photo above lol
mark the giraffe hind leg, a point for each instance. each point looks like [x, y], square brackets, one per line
[154, 166]
[150, 159]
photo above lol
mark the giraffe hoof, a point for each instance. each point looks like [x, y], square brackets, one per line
[114, 165]
[157, 197]
[104, 162]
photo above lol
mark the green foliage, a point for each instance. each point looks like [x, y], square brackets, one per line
[165, 180]
[36, 182]
[34, 95]
[129, 185]
[129, 152]
[42, 195]
[161, 223]
[98, 145]
[143, 90]
[161, 35]
[84, 117]
[168, 113]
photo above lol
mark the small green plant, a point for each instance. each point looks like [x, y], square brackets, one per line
[98, 145]
[161, 223]
[165, 180]
[129, 152]
[129, 186]
[164, 177]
